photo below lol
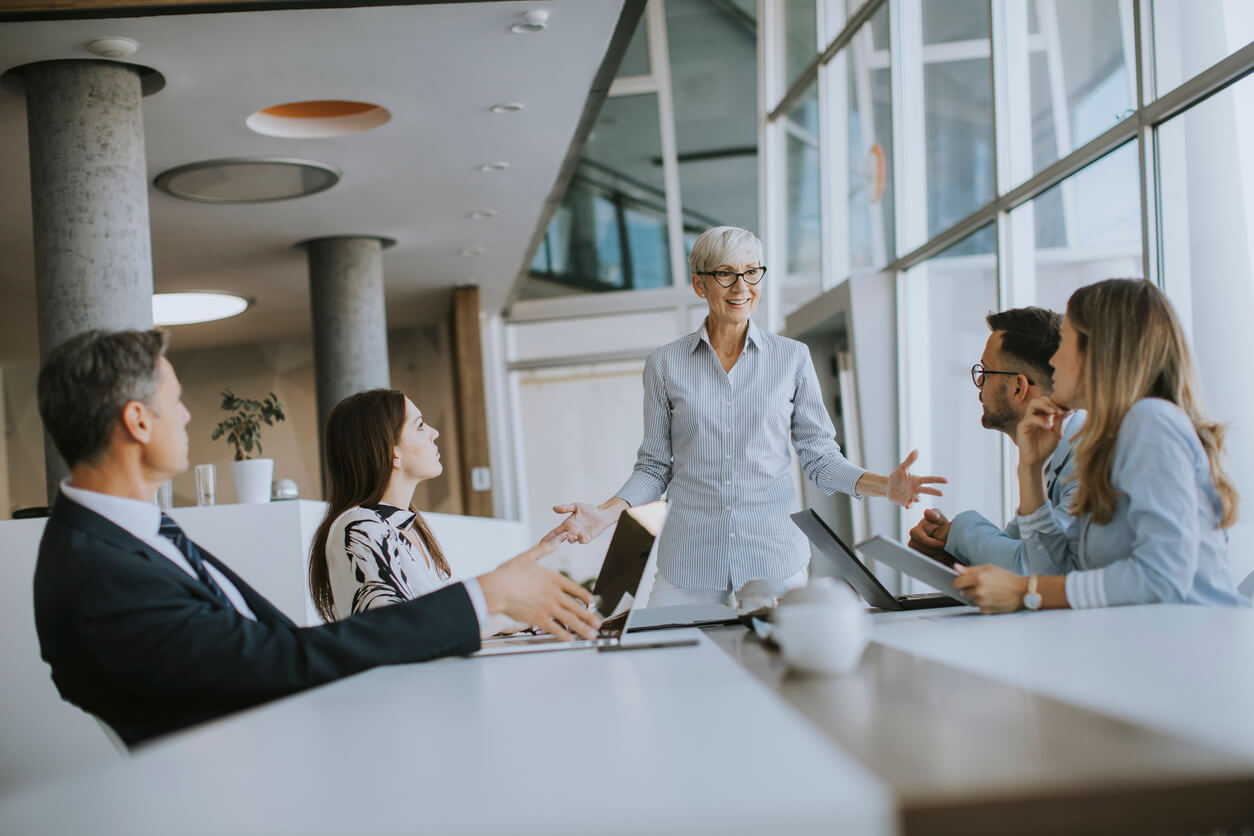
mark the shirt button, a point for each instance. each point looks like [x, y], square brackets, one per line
[733, 535]
[726, 507]
[728, 456]
[728, 482]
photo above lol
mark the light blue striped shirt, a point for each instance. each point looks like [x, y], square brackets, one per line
[1164, 542]
[717, 444]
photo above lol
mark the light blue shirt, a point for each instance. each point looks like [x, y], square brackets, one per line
[974, 540]
[1164, 543]
[717, 444]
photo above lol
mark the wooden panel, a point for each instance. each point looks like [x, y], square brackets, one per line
[969, 755]
[472, 415]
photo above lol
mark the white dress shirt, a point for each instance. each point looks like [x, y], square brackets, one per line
[143, 520]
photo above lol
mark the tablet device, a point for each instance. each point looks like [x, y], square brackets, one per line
[918, 566]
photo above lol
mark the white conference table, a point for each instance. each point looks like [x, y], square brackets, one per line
[678, 740]
[1180, 669]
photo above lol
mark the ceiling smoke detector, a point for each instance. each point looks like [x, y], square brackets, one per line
[532, 21]
[113, 47]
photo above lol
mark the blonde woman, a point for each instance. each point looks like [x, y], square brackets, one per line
[1152, 499]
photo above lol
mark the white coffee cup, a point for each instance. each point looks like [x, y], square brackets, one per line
[822, 628]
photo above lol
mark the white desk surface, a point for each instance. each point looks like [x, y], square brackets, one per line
[643, 741]
[1182, 669]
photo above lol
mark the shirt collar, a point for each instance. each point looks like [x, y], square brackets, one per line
[398, 518]
[142, 519]
[702, 335]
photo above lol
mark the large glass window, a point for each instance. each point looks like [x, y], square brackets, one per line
[946, 299]
[1190, 35]
[870, 128]
[958, 111]
[1080, 78]
[1085, 229]
[714, 85]
[802, 195]
[1206, 170]
[801, 37]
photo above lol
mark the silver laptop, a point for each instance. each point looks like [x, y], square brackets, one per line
[614, 591]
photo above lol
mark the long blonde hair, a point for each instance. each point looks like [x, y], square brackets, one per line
[1133, 348]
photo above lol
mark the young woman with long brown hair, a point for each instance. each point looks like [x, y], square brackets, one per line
[1153, 500]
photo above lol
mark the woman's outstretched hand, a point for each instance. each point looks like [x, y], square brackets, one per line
[586, 521]
[904, 488]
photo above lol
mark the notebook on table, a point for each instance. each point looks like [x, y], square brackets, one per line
[853, 571]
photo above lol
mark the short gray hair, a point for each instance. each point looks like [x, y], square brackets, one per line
[88, 379]
[724, 245]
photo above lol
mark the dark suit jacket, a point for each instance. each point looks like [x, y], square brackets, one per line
[147, 648]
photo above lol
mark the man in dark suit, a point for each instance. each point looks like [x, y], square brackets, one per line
[151, 633]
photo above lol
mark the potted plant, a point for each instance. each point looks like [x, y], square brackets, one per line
[252, 476]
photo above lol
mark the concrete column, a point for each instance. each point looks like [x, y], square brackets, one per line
[349, 319]
[89, 194]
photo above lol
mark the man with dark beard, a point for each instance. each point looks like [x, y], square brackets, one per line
[1013, 370]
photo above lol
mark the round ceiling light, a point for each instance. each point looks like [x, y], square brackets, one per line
[501, 166]
[532, 21]
[318, 118]
[248, 179]
[481, 214]
[201, 306]
[507, 107]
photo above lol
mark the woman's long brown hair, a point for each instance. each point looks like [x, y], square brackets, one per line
[1134, 348]
[361, 436]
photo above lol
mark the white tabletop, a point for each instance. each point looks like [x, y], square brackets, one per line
[645, 741]
[1186, 670]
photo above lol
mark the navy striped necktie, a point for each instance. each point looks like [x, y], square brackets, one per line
[171, 531]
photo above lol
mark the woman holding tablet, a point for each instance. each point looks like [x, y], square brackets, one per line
[1153, 499]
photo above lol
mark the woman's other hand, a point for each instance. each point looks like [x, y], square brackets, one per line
[586, 521]
[904, 488]
[991, 588]
[1038, 432]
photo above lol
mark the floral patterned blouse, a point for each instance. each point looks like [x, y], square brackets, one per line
[372, 563]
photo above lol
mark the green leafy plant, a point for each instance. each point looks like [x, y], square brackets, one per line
[243, 428]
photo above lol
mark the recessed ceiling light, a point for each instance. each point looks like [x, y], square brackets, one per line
[201, 306]
[500, 166]
[532, 21]
[113, 47]
[318, 118]
[480, 214]
[469, 251]
[507, 107]
[247, 179]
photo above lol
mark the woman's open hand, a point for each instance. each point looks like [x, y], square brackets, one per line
[586, 521]
[904, 488]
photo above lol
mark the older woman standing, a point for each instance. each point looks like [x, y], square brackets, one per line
[720, 408]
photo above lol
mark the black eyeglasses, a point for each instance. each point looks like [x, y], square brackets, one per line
[978, 371]
[727, 278]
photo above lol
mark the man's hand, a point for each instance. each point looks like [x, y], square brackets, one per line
[991, 588]
[586, 522]
[931, 534]
[532, 594]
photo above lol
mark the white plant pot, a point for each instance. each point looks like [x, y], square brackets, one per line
[252, 479]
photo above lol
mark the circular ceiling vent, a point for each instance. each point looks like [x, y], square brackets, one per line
[248, 179]
[317, 119]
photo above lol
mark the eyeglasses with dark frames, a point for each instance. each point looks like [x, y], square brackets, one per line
[978, 371]
[727, 278]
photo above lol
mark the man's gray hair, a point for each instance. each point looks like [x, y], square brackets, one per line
[724, 245]
[88, 379]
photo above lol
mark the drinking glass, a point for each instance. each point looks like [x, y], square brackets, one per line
[206, 484]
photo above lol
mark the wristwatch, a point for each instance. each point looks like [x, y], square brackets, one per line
[1032, 598]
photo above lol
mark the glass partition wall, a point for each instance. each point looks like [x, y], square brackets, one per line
[977, 155]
